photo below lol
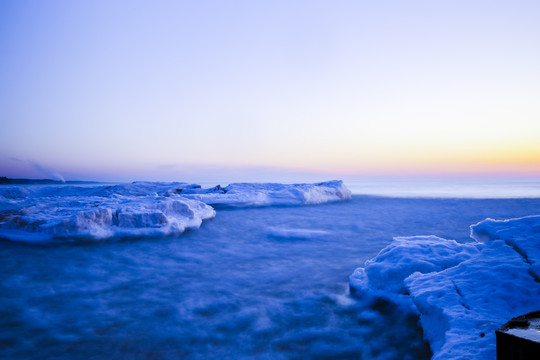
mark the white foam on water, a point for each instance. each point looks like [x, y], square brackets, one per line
[293, 233]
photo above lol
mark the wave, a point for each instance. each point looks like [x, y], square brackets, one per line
[296, 234]
[463, 292]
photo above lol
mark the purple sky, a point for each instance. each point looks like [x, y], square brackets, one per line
[272, 90]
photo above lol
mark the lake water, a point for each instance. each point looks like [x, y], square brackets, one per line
[476, 188]
[253, 283]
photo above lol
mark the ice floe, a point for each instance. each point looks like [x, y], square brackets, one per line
[73, 217]
[265, 194]
[45, 212]
[462, 292]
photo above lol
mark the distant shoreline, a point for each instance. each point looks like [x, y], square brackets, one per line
[7, 181]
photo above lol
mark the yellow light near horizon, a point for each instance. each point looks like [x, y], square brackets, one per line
[422, 159]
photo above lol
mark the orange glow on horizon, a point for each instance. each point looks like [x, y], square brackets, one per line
[459, 162]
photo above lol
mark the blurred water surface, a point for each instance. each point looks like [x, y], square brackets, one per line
[475, 188]
[255, 283]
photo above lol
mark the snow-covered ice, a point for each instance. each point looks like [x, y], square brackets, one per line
[42, 218]
[42, 213]
[265, 194]
[463, 292]
[523, 235]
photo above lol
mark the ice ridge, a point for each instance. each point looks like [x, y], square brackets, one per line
[39, 213]
[266, 194]
[462, 292]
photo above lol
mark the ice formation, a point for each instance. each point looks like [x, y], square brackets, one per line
[462, 292]
[41, 213]
[265, 194]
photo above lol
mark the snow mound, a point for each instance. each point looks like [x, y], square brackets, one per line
[266, 194]
[462, 292]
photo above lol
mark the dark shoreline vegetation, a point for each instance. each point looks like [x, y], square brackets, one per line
[7, 181]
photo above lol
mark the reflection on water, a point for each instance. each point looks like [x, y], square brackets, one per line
[260, 283]
[448, 188]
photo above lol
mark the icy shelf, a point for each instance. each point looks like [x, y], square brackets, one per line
[462, 292]
[40, 213]
[265, 194]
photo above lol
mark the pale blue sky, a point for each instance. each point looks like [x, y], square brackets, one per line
[122, 90]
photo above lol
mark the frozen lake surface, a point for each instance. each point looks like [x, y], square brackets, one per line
[251, 283]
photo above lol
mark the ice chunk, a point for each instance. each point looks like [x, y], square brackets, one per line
[99, 212]
[472, 300]
[406, 255]
[265, 194]
[522, 234]
[463, 292]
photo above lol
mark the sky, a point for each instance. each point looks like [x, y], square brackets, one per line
[275, 90]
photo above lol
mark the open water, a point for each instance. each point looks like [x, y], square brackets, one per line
[253, 283]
